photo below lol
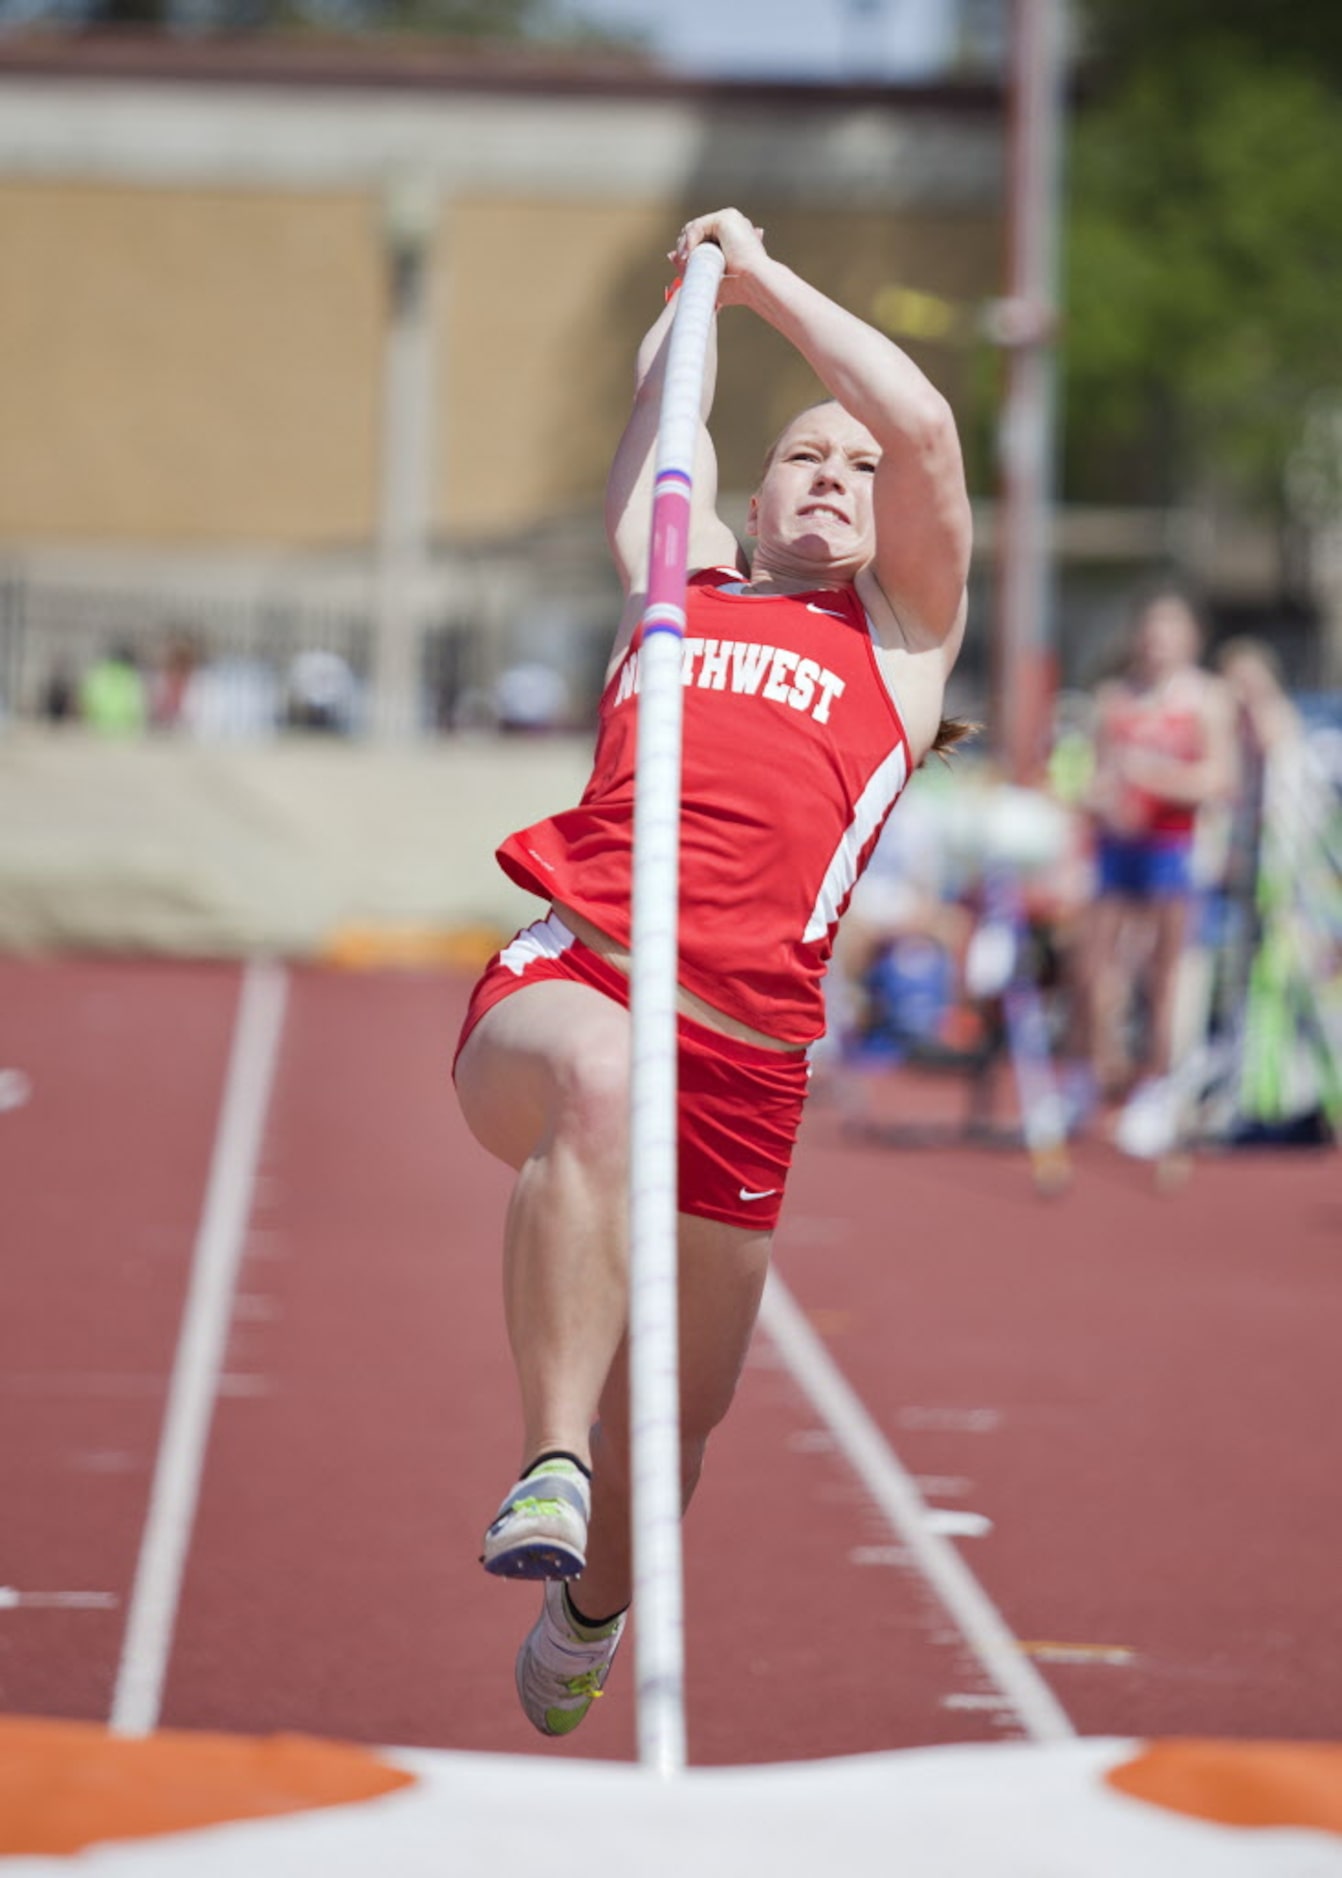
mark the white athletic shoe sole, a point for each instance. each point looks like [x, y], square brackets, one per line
[540, 1531]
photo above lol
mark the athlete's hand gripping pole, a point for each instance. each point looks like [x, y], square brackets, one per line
[653, 1340]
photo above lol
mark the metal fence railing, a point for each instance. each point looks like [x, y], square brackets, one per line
[224, 665]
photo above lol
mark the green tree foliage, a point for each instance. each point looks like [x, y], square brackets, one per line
[1204, 260]
[1127, 35]
[489, 19]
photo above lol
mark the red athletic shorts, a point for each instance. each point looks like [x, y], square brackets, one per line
[738, 1104]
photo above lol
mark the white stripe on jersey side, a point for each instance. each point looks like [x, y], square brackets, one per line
[873, 805]
[546, 939]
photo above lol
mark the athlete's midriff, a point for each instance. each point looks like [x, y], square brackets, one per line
[621, 958]
[788, 690]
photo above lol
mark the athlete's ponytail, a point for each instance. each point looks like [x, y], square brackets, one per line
[950, 732]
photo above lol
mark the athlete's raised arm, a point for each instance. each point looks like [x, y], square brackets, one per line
[629, 486]
[921, 506]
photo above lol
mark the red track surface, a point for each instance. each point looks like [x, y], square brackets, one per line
[1140, 1392]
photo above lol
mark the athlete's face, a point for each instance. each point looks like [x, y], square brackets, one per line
[1167, 638]
[813, 508]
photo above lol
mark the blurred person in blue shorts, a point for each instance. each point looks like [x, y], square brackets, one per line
[1164, 751]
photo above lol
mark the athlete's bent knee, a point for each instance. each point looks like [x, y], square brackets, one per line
[592, 1094]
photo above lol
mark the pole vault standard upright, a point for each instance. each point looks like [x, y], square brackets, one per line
[654, 1380]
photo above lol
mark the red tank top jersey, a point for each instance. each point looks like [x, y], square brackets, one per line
[1168, 728]
[793, 756]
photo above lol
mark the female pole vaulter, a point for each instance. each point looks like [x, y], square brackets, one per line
[814, 673]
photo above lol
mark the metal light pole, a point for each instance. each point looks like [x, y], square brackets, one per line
[408, 220]
[1028, 319]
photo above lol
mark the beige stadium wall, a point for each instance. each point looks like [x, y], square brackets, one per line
[202, 367]
[187, 366]
[535, 312]
[542, 305]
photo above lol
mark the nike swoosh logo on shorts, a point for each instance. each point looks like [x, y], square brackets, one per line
[764, 1195]
[811, 607]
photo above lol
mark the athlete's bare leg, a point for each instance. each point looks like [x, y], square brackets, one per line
[543, 1083]
[1108, 987]
[722, 1272]
[1169, 922]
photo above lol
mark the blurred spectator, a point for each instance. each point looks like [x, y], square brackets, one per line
[1164, 749]
[1070, 888]
[232, 700]
[1071, 761]
[171, 679]
[899, 946]
[1265, 721]
[112, 698]
[1277, 1005]
[901, 979]
[60, 696]
[530, 697]
[323, 693]
[1267, 728]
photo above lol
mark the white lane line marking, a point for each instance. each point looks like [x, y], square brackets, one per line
[941, 1486]
[12, 1599]
[1114, 1654]
[954, 1524]
[811, 1441]
[200, 1350]
[891, 1487]
[951, 1421]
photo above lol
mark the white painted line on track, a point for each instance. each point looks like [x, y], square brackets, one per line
[12, 1599]
[952, 1523]
[200, 1351]
[870, 1455]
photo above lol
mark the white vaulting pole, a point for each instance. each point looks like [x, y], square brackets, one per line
[654, 1381]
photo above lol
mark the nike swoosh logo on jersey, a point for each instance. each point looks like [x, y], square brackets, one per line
[758, 1196]
[811, 607]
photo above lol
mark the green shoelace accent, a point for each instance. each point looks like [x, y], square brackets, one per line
[562, 1721]
[588, 1684]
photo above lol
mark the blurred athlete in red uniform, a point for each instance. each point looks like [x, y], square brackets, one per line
[1164, 748]
[814, 676]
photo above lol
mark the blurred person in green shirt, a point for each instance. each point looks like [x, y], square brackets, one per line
[112, 698]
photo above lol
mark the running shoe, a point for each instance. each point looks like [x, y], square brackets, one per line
[559, 1673]
[540, 1531]
[1147, 1126]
